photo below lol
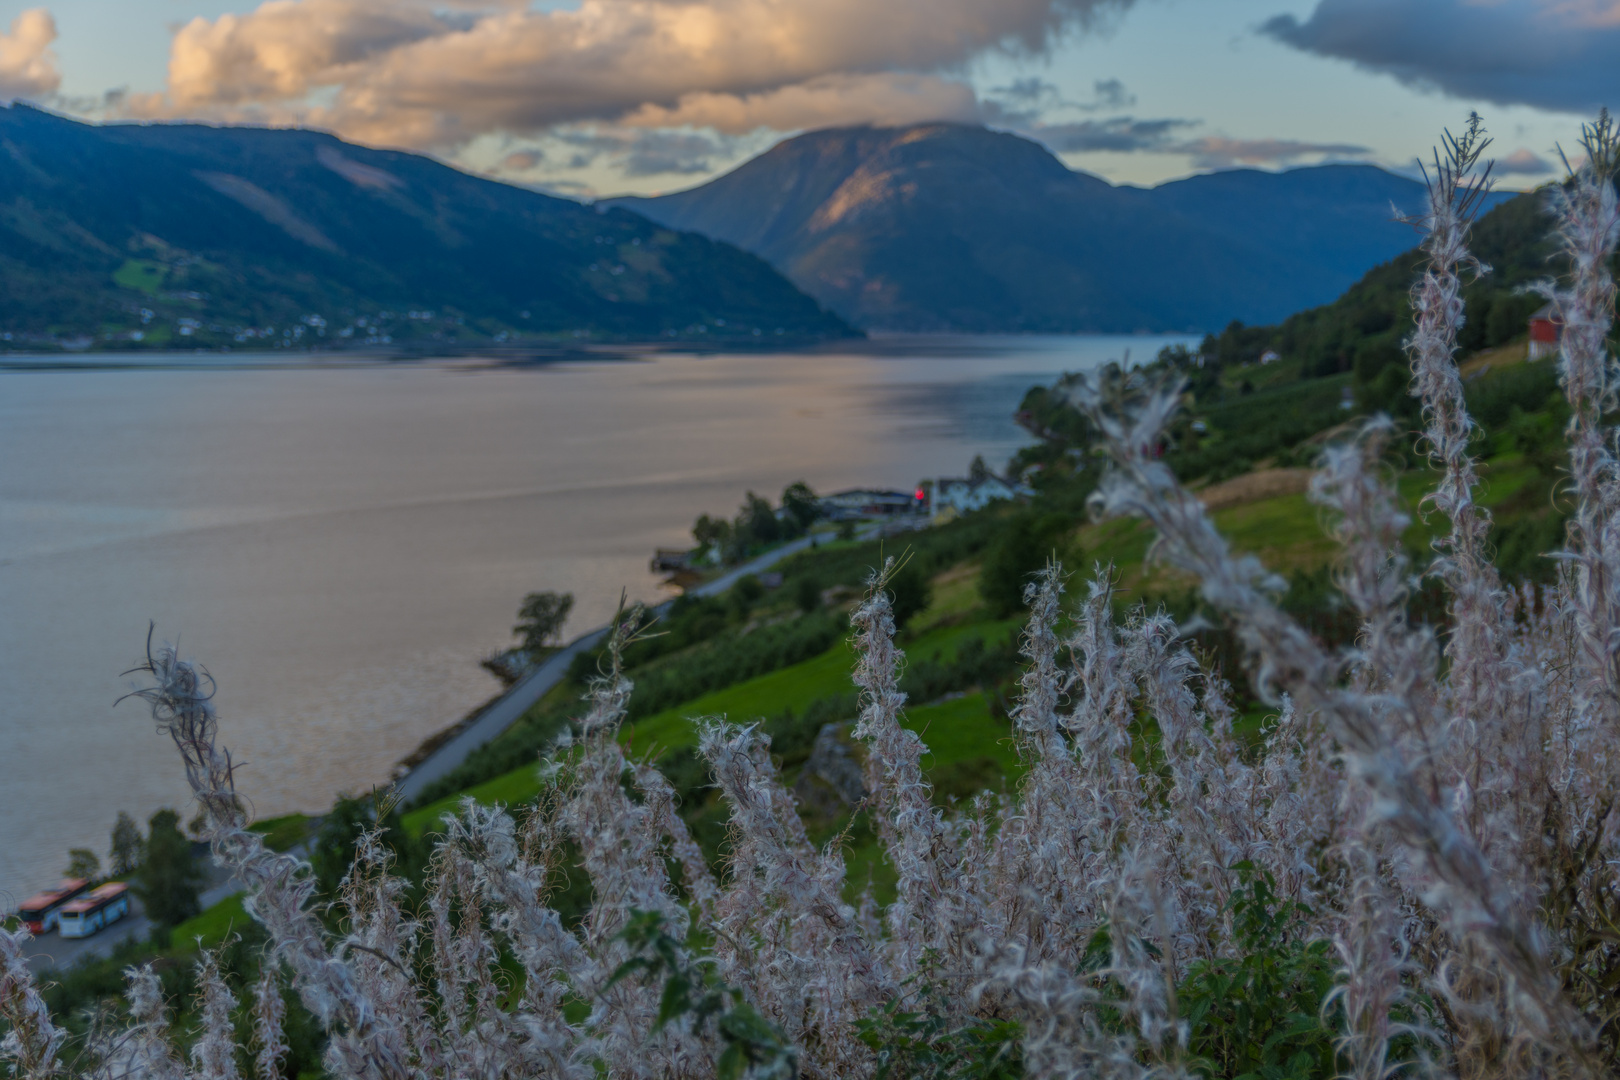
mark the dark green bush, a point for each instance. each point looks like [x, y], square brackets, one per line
[1023, 545]
[910, 592]
[1261, 1013]
[913, 1040]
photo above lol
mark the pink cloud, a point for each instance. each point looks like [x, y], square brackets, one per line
[424, 74]
[27, 64]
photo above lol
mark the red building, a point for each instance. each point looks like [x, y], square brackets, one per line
[1545, 330]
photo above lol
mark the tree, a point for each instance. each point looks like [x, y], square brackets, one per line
[1020, 549]
[747, 592]
[83, 863]
[126, 845]
[801, 504]
[711, 532]
[756, 522]
[541, 618]
[978, 470]
[168, 879]
[910, 592]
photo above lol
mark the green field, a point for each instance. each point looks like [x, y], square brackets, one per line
[141, 275]
[519, 786]
[212, 926]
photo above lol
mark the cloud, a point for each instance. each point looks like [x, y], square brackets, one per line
[1032, 90]
[27, 64]
[1549, 54]
[1118, 134]
[658, 153]
[1128, 135]
[1522, 163]
[891, 99]
[642, 153]
[522, 161]
[1025, 102]
[1111, 94]
[1216, 152]
[424, 73]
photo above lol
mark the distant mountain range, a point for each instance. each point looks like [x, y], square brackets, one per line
[194, 235]
[165, 235]
[951, 227]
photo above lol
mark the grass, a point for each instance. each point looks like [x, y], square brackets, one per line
[1511, 354]
[141, 275]
[1285, 531]
[519, 786]
[956, 598]
[283, 833]
[969, 750]
[795, 686]
[963, 730]
[763, 696]
[212, 926]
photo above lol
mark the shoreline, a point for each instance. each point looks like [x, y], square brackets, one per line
[519, 355]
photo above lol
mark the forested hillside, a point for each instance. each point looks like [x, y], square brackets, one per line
[185, 235]
[1361, 332]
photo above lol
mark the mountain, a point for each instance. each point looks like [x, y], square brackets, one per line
[164, 234]
[955, 227]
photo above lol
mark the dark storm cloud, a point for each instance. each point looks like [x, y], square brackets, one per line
[1549, 54]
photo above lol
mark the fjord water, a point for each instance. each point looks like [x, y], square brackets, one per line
[338, 542]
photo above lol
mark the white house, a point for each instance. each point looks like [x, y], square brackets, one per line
[959, 495]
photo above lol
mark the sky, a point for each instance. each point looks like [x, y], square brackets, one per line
[589, 98]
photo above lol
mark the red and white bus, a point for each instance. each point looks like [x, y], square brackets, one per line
[38, 913]
[87, 914]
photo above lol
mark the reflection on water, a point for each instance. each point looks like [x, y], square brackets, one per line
[339, 541]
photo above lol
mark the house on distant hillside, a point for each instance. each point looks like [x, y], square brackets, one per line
[958, 495]
[1546, 329]
[1270, 356]
[865, 503]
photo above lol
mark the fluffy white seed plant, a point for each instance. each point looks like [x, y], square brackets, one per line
[997, 901]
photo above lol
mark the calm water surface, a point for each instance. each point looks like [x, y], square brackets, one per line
[340, 542]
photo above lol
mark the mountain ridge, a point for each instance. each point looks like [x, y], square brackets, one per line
[182, 233]
[950, 226]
